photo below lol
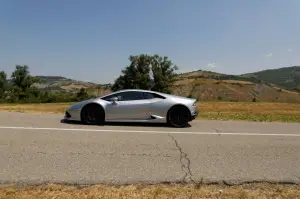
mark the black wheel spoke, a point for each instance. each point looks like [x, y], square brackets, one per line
[93, 114]
[179, 116]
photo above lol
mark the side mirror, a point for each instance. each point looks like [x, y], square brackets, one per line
[114, 99]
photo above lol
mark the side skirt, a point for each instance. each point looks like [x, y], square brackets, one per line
[152, 119]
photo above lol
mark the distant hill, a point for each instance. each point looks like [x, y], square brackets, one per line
[287, 77]
[63, 84]
[217, 76]
[207, 86]
[205, 89]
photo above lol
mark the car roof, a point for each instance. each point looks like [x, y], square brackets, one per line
[138, 90]
[141, 90]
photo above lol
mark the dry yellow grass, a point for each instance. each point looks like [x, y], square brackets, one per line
[200, 73]
[236, 81]
[35, 108]
[284, 112]
[184, 82]
[281, 112]
[73, 86]
[259, 191]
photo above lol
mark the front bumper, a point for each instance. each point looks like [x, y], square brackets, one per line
[194, 115]
[67, 115]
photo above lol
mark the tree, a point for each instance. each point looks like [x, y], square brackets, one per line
[163, 73]
[3, 84]
[147, 72]
[82, 94]
[22, 81]
[136, 75]
[120, 83]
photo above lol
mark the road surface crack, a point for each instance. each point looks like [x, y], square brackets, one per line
[185, 163]
[217, 131]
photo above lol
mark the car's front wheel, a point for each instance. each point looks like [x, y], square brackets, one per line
[92, 114]
[179, 116]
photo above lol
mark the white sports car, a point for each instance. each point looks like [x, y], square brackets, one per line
[134, 105]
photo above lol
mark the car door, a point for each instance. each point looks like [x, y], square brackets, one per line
[130, 105]
[155, 104]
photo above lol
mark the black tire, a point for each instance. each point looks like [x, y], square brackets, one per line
[93, 114]
[179, 116]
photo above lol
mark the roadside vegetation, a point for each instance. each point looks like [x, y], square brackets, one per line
[247, 111]
[20, 89]
[246, 191]
[250, 111]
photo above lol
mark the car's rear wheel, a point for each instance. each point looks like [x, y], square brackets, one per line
[92, 114]
[179, 116]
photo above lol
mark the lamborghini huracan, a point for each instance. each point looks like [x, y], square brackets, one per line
[134, 105]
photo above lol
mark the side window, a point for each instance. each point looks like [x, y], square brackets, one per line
[148, 95]
[126, 96]
[130, 95]
[107, 98]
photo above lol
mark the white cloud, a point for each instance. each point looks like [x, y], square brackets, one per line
[269, 55]
[211, 65]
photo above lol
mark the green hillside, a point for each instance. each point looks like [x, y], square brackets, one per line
[287, 77]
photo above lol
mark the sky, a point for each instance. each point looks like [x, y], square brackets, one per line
[91, 40]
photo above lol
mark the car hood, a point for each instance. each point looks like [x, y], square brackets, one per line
[80, 104]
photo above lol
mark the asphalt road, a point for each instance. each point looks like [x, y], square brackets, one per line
[40, 149]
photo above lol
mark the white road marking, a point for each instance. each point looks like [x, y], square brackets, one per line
[157, 132]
